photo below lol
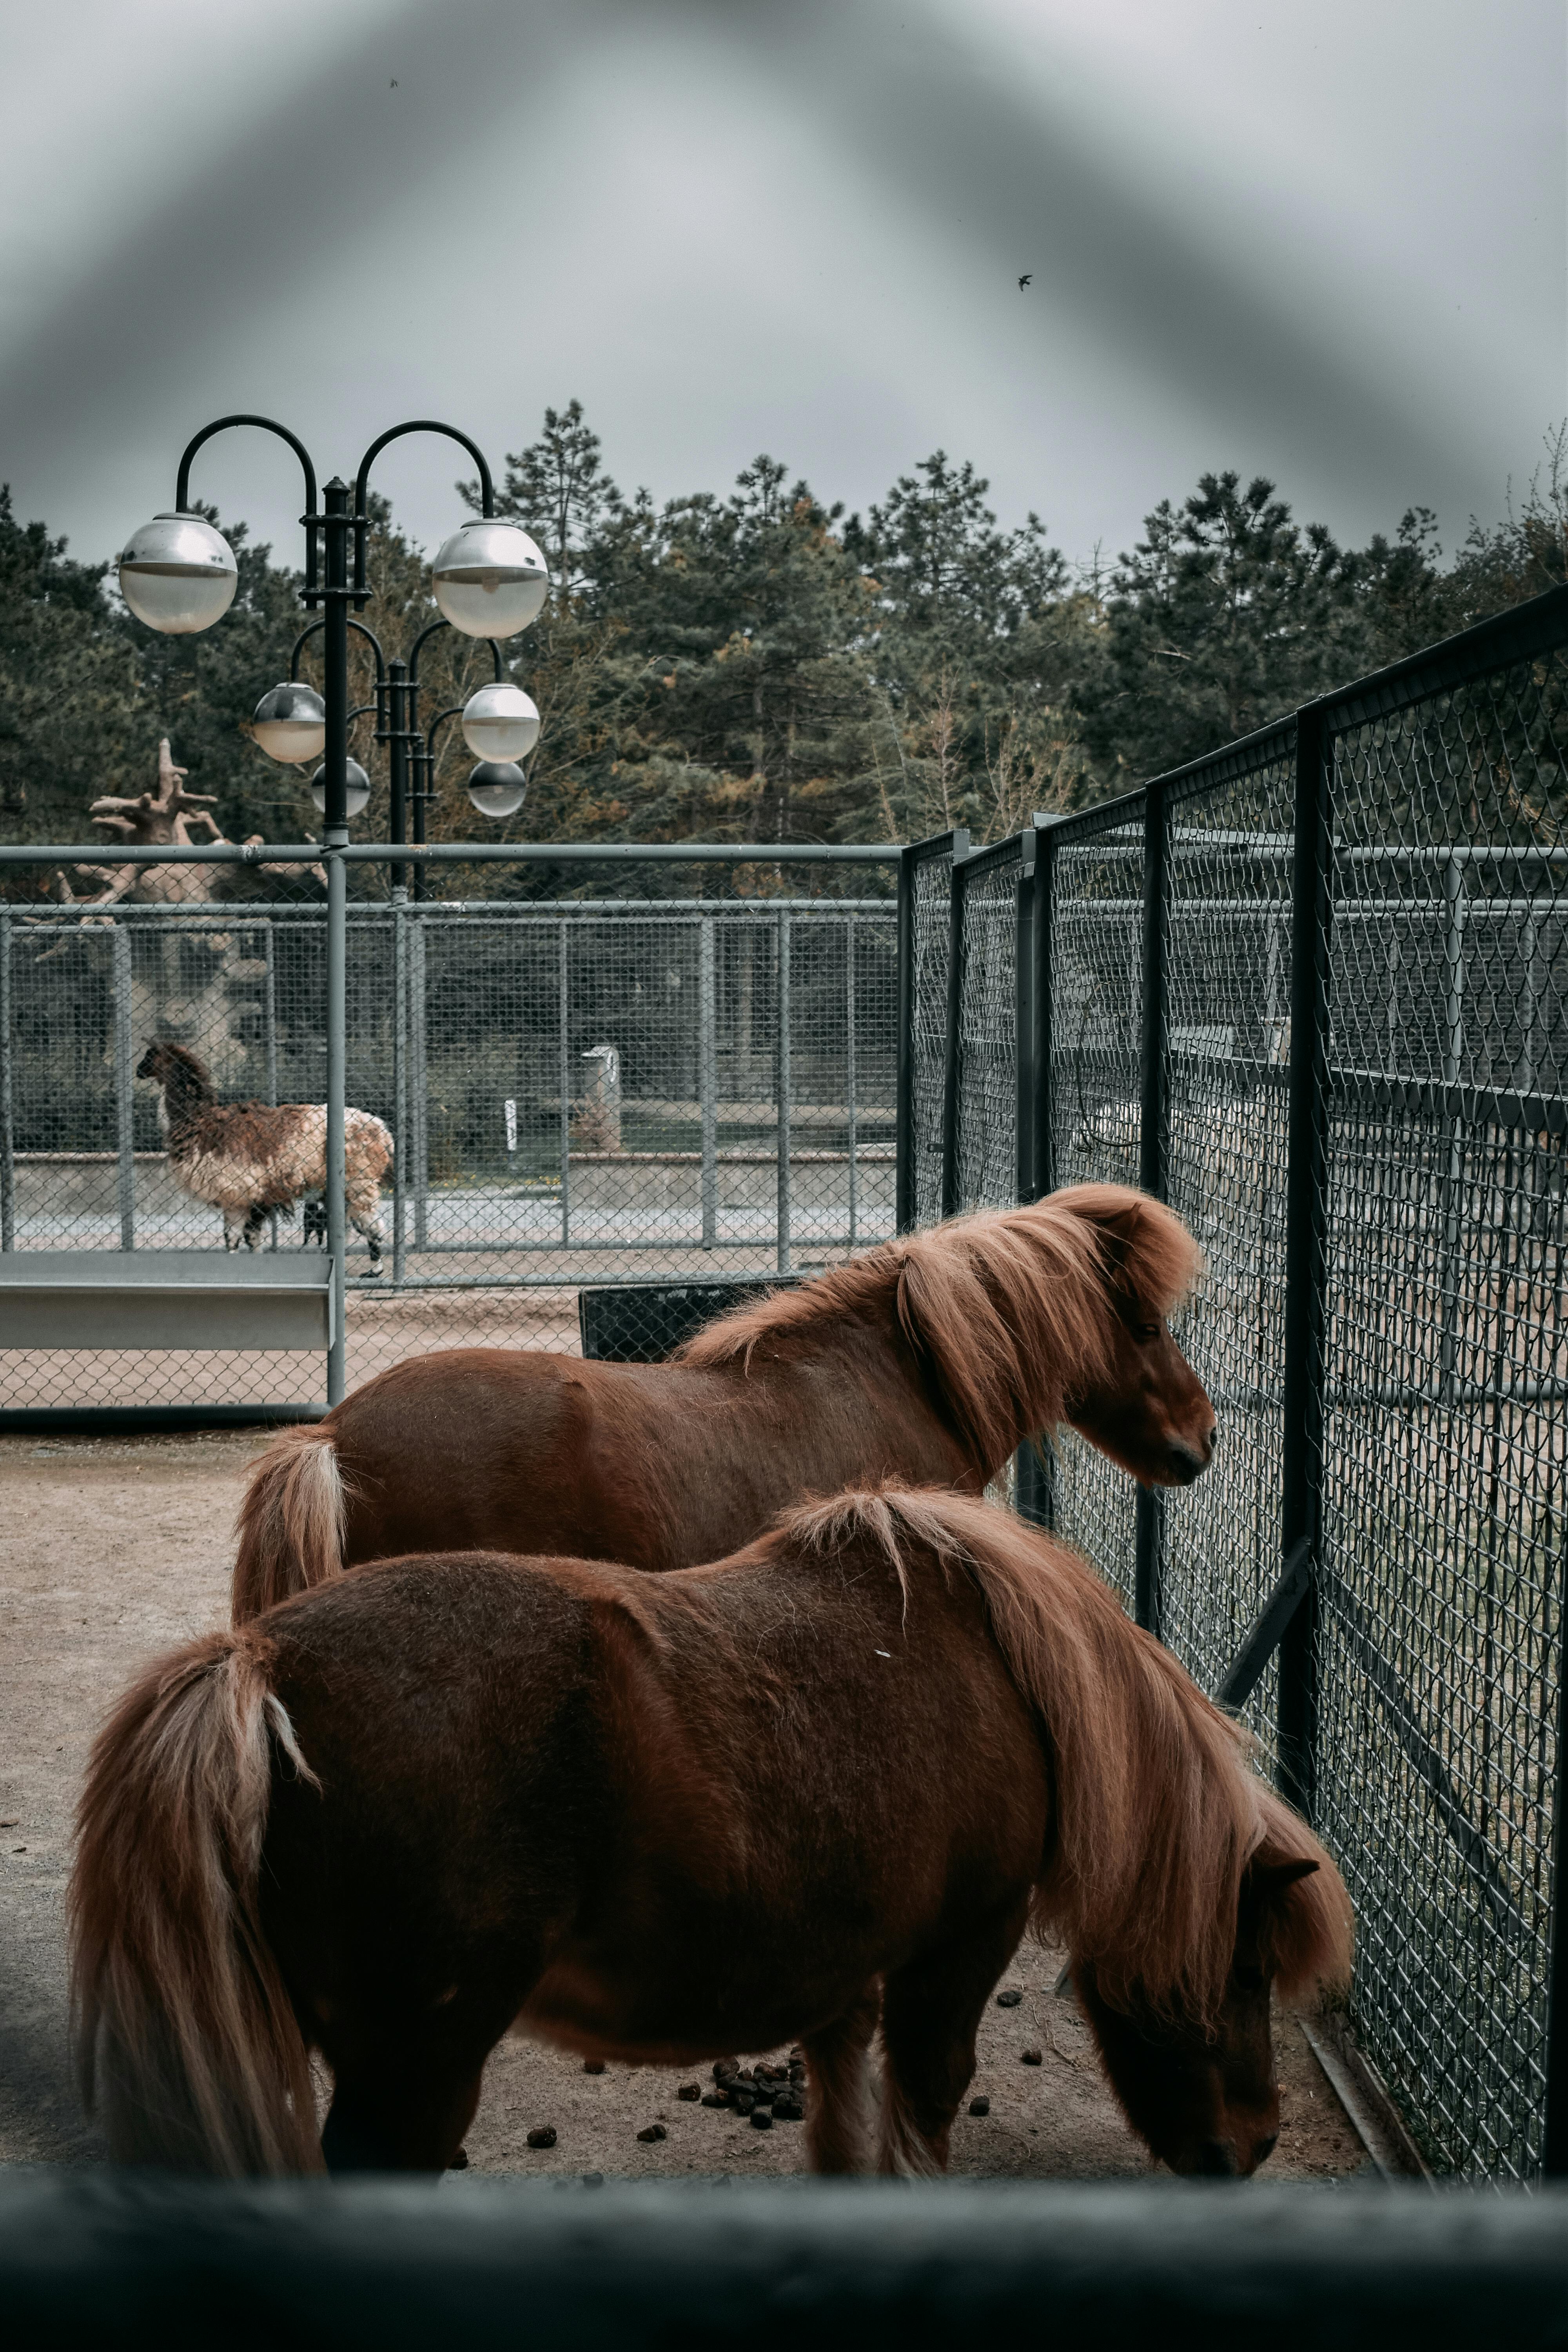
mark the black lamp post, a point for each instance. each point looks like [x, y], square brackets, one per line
[179, 576]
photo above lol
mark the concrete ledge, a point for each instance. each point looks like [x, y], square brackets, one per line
[166, 1298]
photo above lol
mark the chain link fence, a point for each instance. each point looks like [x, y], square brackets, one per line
[580, 1094]
[1314, 990]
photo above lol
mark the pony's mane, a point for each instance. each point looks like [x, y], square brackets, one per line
[1158, 1812]
[1009, 1308]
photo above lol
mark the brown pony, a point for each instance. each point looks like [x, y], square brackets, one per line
[437, 1799]
[927, 1361]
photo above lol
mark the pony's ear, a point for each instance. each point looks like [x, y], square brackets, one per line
[1271, 1878]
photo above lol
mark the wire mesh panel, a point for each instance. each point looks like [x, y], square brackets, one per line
[1227, 978]
[85, 990]
[1443, 1473]
[987, 1038]
[556, 1093]
[931, 952]
[1096, 997]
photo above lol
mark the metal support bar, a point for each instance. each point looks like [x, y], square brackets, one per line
[418, 1085]
[270, 1039]
[1152, 1148]
[1267, 1630]
[850, 1105]
[335, 669]
[1554, 2141]
[7, 1095]
[708, 1074]
[785, 1094]
[904, 1179]
[124, 1089]
[1306, 1202]
[564, 1023]
[953, 1046]
[399, 1080]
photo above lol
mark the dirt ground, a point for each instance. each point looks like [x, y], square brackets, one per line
[113, 1549]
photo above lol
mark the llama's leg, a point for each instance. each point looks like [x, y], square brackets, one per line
[233, 1232]
[251, 1230]
[930, 2014]
[841, 2107]
[363, 1205]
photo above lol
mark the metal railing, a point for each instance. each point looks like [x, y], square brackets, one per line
[1314, 990]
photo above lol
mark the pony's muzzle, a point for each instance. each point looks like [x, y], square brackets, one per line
[1218, 2160]
[1187, 1461]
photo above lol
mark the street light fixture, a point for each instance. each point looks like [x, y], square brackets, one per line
[290, 722]
[489, 579]
[354, 797]
[178, 575]
[501, 722]
[496, 787]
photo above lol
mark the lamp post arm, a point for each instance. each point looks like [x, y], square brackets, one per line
[303, 640]
[493, 643]
[417, 425]
[267, 424]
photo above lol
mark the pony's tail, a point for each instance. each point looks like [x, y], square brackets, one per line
[291, 1522]
[183, 2036]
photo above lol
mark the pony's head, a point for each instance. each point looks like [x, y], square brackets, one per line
[1137, 1398]
[1203, 2092]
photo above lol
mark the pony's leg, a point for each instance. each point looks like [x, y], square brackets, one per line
[930, 2014]
[841, 2107]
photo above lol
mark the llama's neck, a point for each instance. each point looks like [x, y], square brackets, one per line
[183, 1102]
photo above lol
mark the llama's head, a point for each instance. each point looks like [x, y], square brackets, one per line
[174, 1066]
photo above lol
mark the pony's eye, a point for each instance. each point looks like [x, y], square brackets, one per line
[1146, 1331]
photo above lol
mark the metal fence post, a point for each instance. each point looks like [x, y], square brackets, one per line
[337, 1100]
[1554, 2126]
[399, 1077]
[904, 1098]
[564, 1023]
[708, 1074]
[784, 1090]
[953, 1043]
[124, 1089]
[269, 1038]
[850, 1076]
[1031, 1474]
[1153, 1144]
[7, 1099]
[419, 1087]
[1454, 912]
[1305, 1223]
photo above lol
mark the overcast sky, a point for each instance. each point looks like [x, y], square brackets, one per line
[1325, 242]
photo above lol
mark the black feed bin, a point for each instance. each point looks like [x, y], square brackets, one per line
[644, 1322]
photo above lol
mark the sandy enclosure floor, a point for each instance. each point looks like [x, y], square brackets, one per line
[113, 1549]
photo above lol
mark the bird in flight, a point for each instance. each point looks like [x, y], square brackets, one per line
[1027, 279]
[392, 85]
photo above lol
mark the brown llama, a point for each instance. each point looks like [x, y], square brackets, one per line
[248, 1158]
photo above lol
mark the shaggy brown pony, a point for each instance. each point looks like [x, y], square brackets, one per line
[927, 1361]
[441, 1798]
[248, 1158]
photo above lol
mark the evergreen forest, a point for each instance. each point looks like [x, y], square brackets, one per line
[761, 666]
